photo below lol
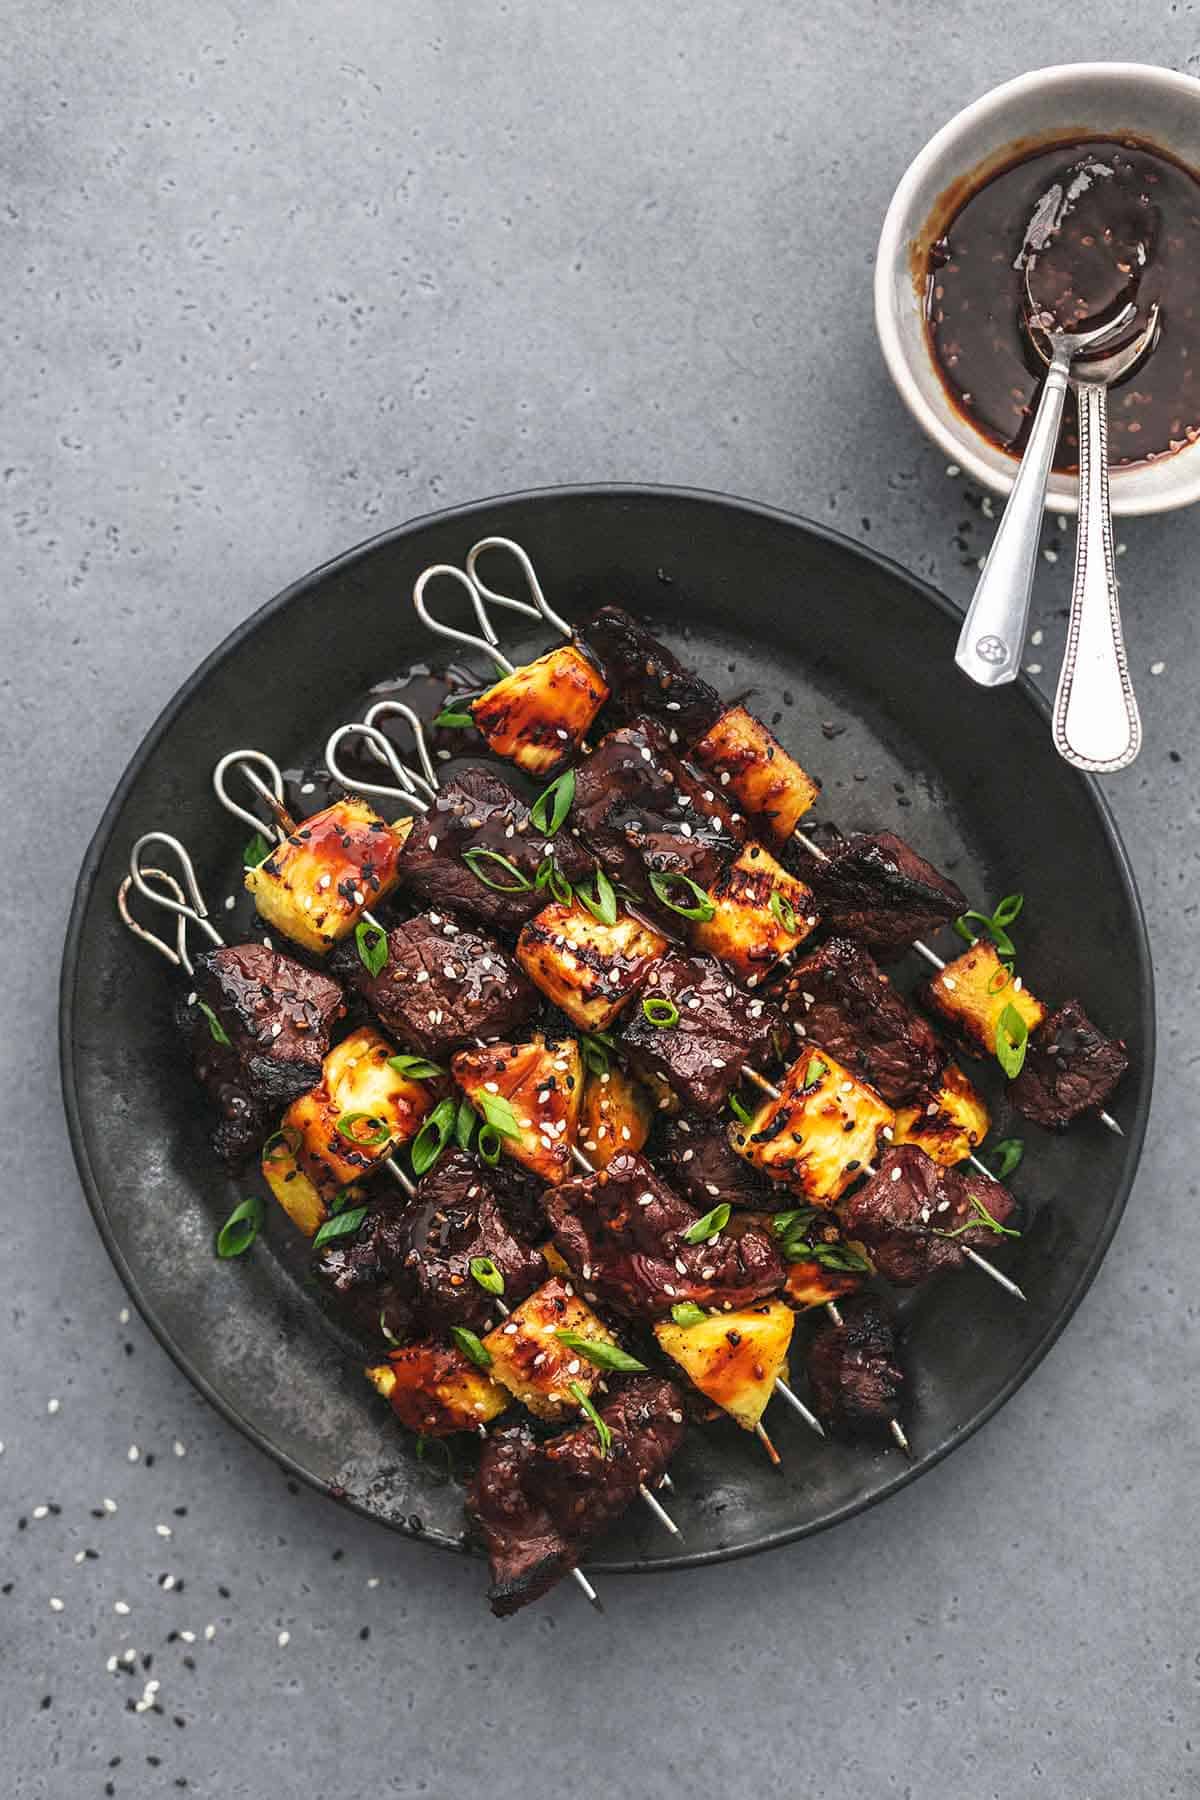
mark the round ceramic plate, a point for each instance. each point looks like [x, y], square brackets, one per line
[851, 659]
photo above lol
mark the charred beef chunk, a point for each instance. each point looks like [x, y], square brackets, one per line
[443, 985]
[719, 1028]
[624, 1235]
[877, 889]
[905, 1214]
[585, 1490]
[364, 1275]
[840, 997]
[479, 811]
[277, 1016]
[424, 1248]
[854, 1369]
[1070, 1067]
[697, 1157]
[527, 1553]
[643, 811]
[647, 681]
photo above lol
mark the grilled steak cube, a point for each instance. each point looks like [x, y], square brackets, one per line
[841, 998]
[276, 1016]
[646, 680]
[877, 889]
[643, 812]
[616, 1114]
[527, 1552]
[904, 1215]
[344, 1127]
[436, 1391]
[531, 1362]
[443, 986]
[364, 1274]
[586, 1488]
[971, 992]
[855, 1371]
[454, 1219]
[1070, 1068]
[947, 1121]
[734, 1358]
[624, 1234]
[750, 761]
[588, 969]
[316, 886]
[700, 1054]
[821, 1132]
[542, 1083]
[538, 716]
[477, 815]
[701, 1164]
[761, 914]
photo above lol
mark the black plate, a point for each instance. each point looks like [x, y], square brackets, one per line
[820, 630]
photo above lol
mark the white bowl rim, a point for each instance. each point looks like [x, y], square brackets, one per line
[960, 446]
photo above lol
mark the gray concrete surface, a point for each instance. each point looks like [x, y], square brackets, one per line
[276, 276]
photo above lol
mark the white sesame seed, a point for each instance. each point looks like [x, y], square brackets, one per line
[1156, 668]
[896, 1174]
[188, 1637]
[167, 1583]
[79, 1556]
[123, 1316]
[120, 1606]
[230, 902]
[308, 787]
[56, 1604]
[949, 983]
[1037, 637]
[133, 1453]
[163, 1530]
[953, 470]
[110, 1506]
[40, 1512]
[943, 1206]
[111, 1665]
[1051, 556]
[433, 843]
[210, 1632]
[284, 1639]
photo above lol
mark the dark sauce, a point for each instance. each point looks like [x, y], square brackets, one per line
[1128, 226]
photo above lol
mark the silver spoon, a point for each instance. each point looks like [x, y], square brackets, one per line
[1096, 720]
[993, 632]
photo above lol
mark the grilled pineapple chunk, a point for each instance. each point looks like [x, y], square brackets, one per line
[948, 1122]
[589, 969]
[750, 760]
[820, 1133]
[435, 1389]
[542, 1082]
[761, 913]
[616, 1114]
[355, 1116]
[734, 1358]
[972, 992]
[529, 1360]
[811, 1284]
[294, 1190]
[316, 885]
[538, 716]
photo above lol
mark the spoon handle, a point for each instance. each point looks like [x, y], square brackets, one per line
[993, 632]
[1096, 722]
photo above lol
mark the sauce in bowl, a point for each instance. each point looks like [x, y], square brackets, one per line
[1125, 222]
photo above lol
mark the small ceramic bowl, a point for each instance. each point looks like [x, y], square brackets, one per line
[1073, 101]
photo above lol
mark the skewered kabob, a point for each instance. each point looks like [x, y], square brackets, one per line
[433, 1385]
[1076, 1066]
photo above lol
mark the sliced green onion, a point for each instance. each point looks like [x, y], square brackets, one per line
[240, 1228]
[982, 1217]
[815, 1073]
[740, 1110]
[660, 1012]
[605, 1356]
[701, 907]
[346, 1125]
[219, 1033]
[1012, 1040]
[785, 1224]
[1008, 909]
[485, 1272]
[712, 1222]
[520, 884]
[465, 1121]
[999, 980]
[498, 1113]
[433, 1136]
[417, 1068]
[840, 1256]
[372, 946]
[551, 808]
[453, 719]
[687, 1314]
[783, 909]
[339, 1225]
[1005, 1156]
[594, 1047]
[991, 926]
[256, 851]
[471, 1346]
[489, 1145]
[289, 1138]
[602, 1431]
[549, 875]
[603, 903]
[386, 1331]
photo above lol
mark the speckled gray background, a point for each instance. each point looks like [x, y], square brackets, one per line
[276, 276]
